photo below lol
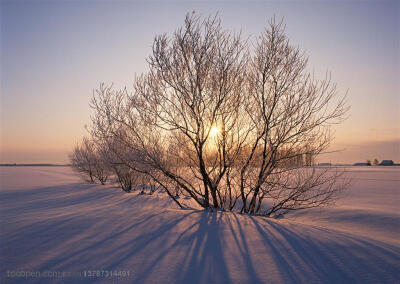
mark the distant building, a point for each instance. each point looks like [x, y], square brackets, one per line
[361, 164]
[386, 163]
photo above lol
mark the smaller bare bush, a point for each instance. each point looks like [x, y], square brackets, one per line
[83, 160]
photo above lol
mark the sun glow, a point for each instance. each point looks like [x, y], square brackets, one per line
[214, 131]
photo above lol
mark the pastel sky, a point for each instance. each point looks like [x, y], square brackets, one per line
[53, 54]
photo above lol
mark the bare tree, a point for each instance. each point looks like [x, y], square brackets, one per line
[126, 177]
[227, 122]
[101, 169]
[83, 161]
[86, 159]
[118, 158]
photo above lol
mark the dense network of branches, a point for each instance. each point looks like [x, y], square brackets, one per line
[227, 122]
[87, 161]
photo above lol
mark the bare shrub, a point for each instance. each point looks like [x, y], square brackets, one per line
[86, 160]
[101, 169]
[115, 158]
[83, 161]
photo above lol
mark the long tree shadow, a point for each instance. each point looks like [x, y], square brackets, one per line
[329, 256]
[195, 251]
[193, 246]
[239, 233]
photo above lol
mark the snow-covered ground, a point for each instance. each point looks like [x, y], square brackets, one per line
[51, 223]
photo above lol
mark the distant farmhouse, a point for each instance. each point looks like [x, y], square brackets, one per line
[386, 163]
[383, 163]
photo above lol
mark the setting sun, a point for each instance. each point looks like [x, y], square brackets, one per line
[214, 131]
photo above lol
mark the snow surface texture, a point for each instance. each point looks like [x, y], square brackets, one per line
[51, 221]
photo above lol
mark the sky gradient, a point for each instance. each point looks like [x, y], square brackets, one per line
[53, 54]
